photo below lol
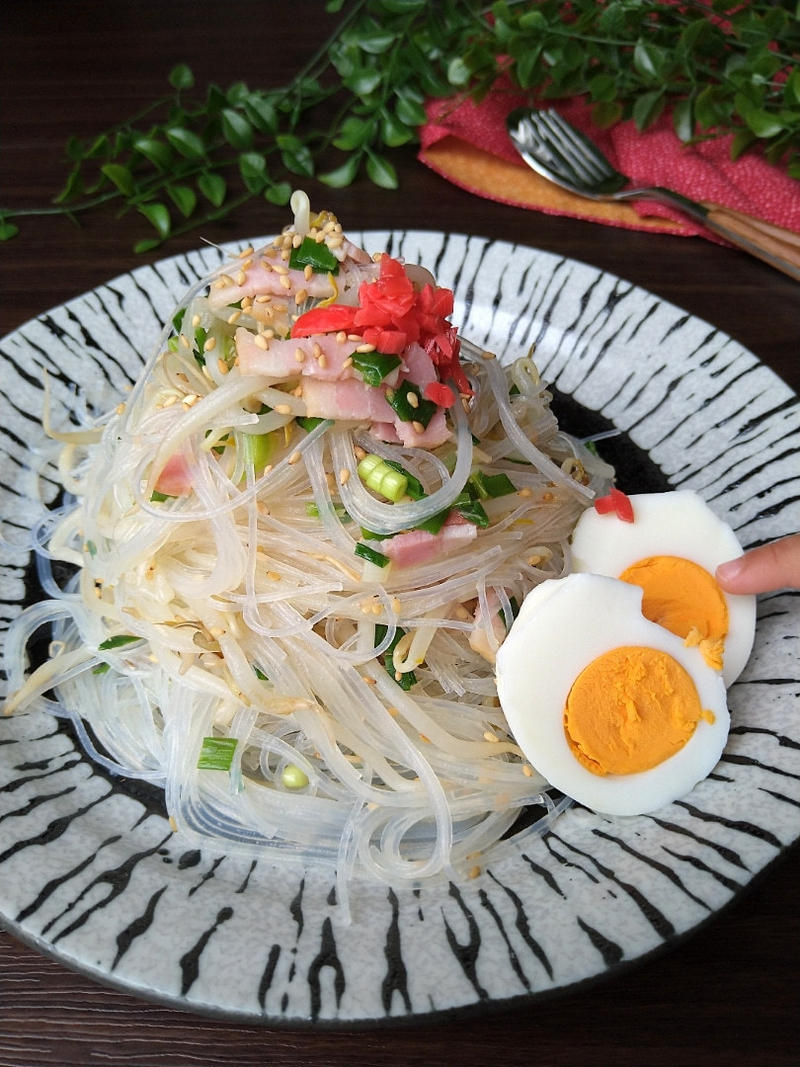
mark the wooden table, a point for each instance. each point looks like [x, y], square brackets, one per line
[728, 995]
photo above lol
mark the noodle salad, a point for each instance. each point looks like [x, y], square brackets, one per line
[296, 549]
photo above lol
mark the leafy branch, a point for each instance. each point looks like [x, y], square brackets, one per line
[190, 158]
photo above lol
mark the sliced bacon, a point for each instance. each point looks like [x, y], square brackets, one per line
[175, 478]
[280, 362]
[350, 399]
[419, 546]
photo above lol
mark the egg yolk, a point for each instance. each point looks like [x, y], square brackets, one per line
[681, 596]
[630, 709]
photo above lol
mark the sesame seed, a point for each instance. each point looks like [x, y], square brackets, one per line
[367, 680]
[547, 498]
[418, 427]
[353, 336]
[195, 321]
[365, 348]
[474, 872]
[210, 343]
[170, 400]
[489, 736]
[322, 360]
[297, 240]
[341, 337]
[344, 476]
[393, 712]
[527, 770]
[413, 399]
[396, 605]
[300, 296]
[273, 576]
[422, 737]
[224, 280]
[234, 315]
[488, 355]
[283, 409]
[359, 453]
[347, 363]
[241, 278]
[286, 281]
[222, 366]
[190, 400]
[526, 492]
[377, 609]
[265, 263]
[317, 351]
[120, 408]
[280, 269]
[335, 242]
[299, 355]
[261, 341]
[246, 252]
[184, 340]
[308, 270]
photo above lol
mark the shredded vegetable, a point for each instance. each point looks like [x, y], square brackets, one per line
[243, 599]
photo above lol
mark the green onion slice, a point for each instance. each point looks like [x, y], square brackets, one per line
[316, 255]
[365, 552]
[374, 366]
[217, 753]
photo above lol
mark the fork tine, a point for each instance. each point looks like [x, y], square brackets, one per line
[586, 161]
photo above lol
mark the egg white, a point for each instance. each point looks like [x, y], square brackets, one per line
[563, 625]
[676, 523]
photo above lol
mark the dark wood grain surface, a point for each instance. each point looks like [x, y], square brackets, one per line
[727, 995]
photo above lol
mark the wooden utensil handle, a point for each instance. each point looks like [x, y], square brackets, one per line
[775, 245]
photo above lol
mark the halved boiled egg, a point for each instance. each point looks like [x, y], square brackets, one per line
[671, 550]
[612, 709]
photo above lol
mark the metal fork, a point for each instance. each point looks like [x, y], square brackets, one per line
[556, 150]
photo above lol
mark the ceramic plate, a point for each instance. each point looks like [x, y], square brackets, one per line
[90, 871]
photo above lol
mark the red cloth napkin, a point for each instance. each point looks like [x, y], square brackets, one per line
[467, 143]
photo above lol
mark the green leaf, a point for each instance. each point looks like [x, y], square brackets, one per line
[118, 641]
[363, 81]
[742, 140]
[683, 119]
[181, 77]
[410, 112]
[353, 133]
[236, 130]
[185, 142]
[603, 87]
[120, 176]
[381, 171]
[146, 245]
[394, 132]
[184, 198]
[296, 156]
[648, 59]
[99, 147]
[7, 230]
[647, 108]
[157, 152]
[213, 187]
[279, 193]
[158, 216]
[377, 42]
[253, 169]
[761, 122]
[342, 176]
[402, 7]
[606, 114]
[262, 113]
[791, 88]
[458, 73]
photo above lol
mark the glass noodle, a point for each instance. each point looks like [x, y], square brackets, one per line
[361, 698]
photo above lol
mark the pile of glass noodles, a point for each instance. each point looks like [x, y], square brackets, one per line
[298, 546]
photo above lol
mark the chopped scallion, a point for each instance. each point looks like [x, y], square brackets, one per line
[118, 641]
[365, 552]
[382, 478]
[407, 678]
[315, 254]
[216, 753]
[374, 366]
[421, 411]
